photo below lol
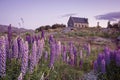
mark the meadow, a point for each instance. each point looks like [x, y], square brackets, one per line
[60, 55]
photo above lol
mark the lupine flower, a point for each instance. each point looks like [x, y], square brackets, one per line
[28, 38]
[42, 34]
[95, 66]
[71, 59]
[9, 34]
[21, 48]
[40, 49]
[117, 59]
[9, 41]
[75, 56]
[15, 48]
[71, 54]
[20, 77]
[7, 47]
[33, 57]
[32, 39]
[52, 55]
[107, 55]
[71, 48]
[51, 39]
[24, 65]
[2, 56]
[99, 59]
[106, 49]
[36, 38]
[64, 53]
[87, 48]
[112, 55]
[103, 67]
[20, 45]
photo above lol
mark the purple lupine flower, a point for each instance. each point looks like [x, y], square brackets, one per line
[106, 49]
[117, 59]
[7, 47]
[51, 39]
[112, 55]
[33, 57]
[87, 48]
[103, 66]
[71, 60]
[99, 59]
[81, 54]
[95, 66]
[28, 38]
[107, 55]
[64, 53]
[52, 55]
[71, 48]
[42, 34]
[19, 40]
[32, 39]
[15, 48]
[40, 49]
[2, 56]
[20, 77]
[25, 51]
[9, 34]
[75, 55]
[21, 48]
[71, 54]
[36, 38]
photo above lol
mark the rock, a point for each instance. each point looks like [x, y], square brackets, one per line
[99, 40]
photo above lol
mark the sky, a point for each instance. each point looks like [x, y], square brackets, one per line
[31, 14]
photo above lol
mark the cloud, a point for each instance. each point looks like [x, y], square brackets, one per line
[112, 16]
[68, 15]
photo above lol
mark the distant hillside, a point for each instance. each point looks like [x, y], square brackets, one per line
[4, 29]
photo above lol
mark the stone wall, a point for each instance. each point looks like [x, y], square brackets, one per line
[80, 25]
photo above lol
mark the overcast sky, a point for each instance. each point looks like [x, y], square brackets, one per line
[34, 13]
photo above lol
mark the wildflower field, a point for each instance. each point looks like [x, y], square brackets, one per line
[43, 57]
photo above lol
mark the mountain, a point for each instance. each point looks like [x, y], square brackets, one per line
[4, 29]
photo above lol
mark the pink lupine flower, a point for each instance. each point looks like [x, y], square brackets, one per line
[2, 56]
[15, 48]
[24, 65]
[33, 61]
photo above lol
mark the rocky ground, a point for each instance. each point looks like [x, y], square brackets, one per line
[90, 76]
